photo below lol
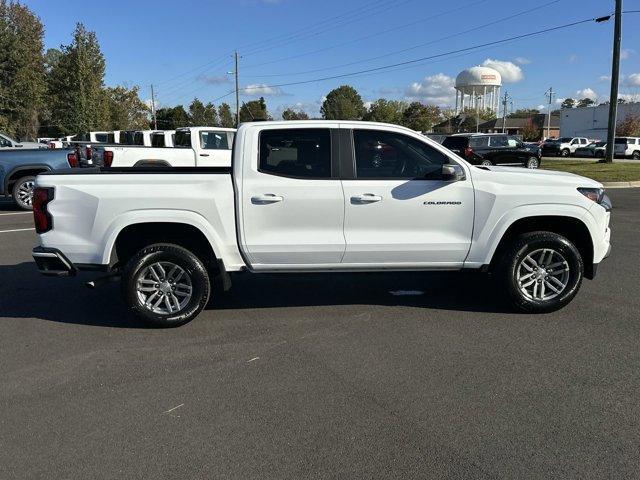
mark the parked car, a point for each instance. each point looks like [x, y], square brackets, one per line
[19, 168]
[8, 143]
[193, 146]
[320, 196]
[564, 146]
[493, 149]
[594, 149]
[627, 147]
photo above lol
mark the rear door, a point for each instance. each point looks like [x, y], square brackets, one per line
[213, 148]
[399, 211]
[292, 199]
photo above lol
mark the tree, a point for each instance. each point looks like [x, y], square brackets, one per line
[530, 133]
[22, 80]
[254, 110]
[524, 113]
[125, 109]
[585, 102]
[226, 118]
[78, 100]
[471, 117]
[629, 127]
[172, 118]
[291, 114]
[421, 118]
[201, 115]
[386, 111]
[568, 103]
[343, 103]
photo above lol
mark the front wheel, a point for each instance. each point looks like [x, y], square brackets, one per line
[23, 192]
[542, 272]
[486, 163]
[636, 155]
[532, 163]
[565, 152]
[165, 285]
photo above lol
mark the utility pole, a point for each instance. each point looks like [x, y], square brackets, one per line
[505, 101]
[237, 92]
[549, 93]
[153, 109]
[478, 113]
[615, 79]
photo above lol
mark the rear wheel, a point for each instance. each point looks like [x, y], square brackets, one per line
[23, 192]
[165, 285]
[486, 163]
[542, 272]
[532, 162]
[636, 155]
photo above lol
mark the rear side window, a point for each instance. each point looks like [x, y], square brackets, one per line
[475, 142]
[211, 140]
[138, 138]
[455, 142]
[300, 153]
[157, 140]
[182, 139]
[498, 141]
[102, 137]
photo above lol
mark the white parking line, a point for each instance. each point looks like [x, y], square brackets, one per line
[17, 230]
[16, 213]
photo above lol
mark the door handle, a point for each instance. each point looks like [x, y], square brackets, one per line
[266, 198]
[204, 154]
[366, 198]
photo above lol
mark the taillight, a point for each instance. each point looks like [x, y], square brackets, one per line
[41, 217]
[88, 152]
[72, 158]
[468, 152]
[107, 158]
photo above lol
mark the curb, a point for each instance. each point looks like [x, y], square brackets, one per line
[635, 184]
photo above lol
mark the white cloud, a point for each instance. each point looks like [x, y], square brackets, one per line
[573, 58]
[630, 97]
[587, 93]
[560, 100]
[437, 89]
[261, 89]
[522, 61]
[541, 107]
[632, 80]
[604, 78]
[510, 72]
[625, 53]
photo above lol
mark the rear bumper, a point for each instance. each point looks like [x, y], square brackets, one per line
[52, 262]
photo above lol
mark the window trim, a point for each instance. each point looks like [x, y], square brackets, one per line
[334, 158]
[354, 165]
[222, 133]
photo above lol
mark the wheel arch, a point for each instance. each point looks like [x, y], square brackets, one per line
[22, 171]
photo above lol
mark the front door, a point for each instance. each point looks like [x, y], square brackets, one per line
[292, 201]
[399, 211]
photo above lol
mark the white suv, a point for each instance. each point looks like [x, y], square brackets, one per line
[628, 147]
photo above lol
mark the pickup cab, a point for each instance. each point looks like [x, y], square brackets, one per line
[192, 147]
[320, 196]
[564, 146]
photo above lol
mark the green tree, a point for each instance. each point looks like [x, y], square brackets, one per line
[471, 117]
[22, 78]
[343, 103]
[568, 103]
[78, 100]
[531, 133]
[585, 102]
[524, 113]
[386, 111]
[125, 109]
[629, 127]
[291, 114]
[226, 118]
[420, 117]
[172, 118]
[254, 110]
[201, 115]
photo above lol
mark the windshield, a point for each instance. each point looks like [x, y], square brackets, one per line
[600, 144]
[565, 139]
[621, 140]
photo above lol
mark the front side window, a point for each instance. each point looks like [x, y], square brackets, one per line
[387, 155]
[5, 142]
[301, 153]
[512, 142]
[498, 141]
[211, 140]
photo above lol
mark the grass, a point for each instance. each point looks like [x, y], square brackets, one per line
[602, 172]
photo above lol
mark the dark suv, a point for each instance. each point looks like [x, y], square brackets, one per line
[493, 149]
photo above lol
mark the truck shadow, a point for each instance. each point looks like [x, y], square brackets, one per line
[27, 294]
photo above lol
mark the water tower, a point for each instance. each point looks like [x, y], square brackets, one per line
[478, 87]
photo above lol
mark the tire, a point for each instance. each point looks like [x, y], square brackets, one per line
[486, 163]
[565, 152]
[636, 155]
[177, 296]
[516, 271]
[532, 163]
[23, 192]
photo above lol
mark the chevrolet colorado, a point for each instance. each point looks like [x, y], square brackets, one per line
[323, 196]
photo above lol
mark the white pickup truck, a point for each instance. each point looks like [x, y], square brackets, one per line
[192, 147]
[320, 196]
[564, 146]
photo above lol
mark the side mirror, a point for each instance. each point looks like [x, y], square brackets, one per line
[452, 173]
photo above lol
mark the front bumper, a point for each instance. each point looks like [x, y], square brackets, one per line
[52, 262]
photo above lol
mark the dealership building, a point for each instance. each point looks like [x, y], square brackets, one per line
[591, 122]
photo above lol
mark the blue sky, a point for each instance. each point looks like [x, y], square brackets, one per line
[184, 48]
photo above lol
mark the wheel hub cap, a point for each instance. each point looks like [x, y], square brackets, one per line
[543, 274]
[164, 288]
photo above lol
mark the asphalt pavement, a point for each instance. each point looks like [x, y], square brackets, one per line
[322, 376]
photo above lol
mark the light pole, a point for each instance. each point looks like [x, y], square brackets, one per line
[615, 79]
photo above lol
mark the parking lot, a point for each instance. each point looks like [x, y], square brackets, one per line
[322, 376]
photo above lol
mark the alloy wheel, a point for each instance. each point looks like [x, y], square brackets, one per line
[543, 274]
[164, 288]
[24, 192]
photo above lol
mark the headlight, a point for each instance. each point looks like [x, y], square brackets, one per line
[597, 195]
